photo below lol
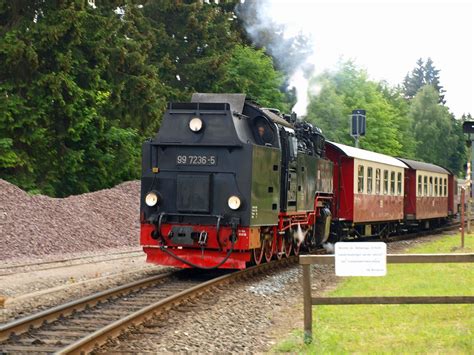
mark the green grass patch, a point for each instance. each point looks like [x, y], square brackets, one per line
[405, 329]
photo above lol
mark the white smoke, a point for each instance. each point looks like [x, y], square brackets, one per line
[329, 247]
[285, 39]
[301, 84]
[300, 235]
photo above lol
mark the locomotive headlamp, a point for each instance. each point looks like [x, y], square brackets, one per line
[151, 199]
[233, 202]
[195, 124]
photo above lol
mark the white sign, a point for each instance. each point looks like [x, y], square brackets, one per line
[361, 259]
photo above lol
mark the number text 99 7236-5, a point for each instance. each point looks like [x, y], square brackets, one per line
[196, 160]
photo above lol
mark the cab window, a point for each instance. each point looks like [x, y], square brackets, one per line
[263, 132]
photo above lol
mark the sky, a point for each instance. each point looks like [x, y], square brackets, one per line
[387, 37]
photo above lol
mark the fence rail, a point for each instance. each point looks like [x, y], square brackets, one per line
[307, 260]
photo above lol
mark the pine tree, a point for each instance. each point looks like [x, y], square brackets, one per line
[423, 74]
[75, 89]
[432, 78]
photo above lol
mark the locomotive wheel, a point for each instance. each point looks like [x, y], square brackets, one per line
[287, 246]
[296, 248]
[280, 248]
[257, 255]
[268, 249]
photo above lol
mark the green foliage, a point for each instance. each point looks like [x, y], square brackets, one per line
[82, 86]
[76, 92]
[251, 71]
[194, 42]
[423, 74]
[419, 128]
[435, 130]
[347, 89]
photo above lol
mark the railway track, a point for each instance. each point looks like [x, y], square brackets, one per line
[85, 324]
[62, 263]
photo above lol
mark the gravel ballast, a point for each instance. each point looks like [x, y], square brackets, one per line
[38, 226]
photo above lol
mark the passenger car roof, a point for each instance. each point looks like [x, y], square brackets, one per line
[419, 165]
[367, 155]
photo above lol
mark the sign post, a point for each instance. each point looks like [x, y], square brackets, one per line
[468, 128]
[463, 199]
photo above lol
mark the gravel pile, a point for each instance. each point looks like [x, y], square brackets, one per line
[36, 226]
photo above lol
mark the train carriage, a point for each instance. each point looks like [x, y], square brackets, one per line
[368, 190]
[429, 191]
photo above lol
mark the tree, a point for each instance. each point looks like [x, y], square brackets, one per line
[251, 71]
[75, 89]
[423, 74]
[347, 89]
[403, 121]
[432, 127]
[195, 41]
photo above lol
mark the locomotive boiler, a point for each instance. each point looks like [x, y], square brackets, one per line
[227, 183]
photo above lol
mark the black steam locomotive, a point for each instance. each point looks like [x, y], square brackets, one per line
[227, 183]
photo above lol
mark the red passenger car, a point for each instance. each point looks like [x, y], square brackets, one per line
[429, 192]
[368, 189]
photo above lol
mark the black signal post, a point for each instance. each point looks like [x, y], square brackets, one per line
[358, 125]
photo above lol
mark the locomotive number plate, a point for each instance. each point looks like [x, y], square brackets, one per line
[196, 160]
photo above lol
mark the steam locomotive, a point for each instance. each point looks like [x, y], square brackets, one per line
[228, 184]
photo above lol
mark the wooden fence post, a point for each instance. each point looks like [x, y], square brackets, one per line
[308, 317]
[463, 201]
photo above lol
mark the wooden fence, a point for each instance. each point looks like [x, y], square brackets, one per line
[307, 260]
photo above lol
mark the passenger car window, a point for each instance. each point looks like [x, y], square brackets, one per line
[436, 187]
[425, 185]
[385, 182]
[377, 181]
[445, 188]
[392, 183]
[420, 185]
[431, 186]
[360, 180]
[369, 180]
[399, 183]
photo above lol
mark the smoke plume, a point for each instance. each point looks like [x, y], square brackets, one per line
[289, 46]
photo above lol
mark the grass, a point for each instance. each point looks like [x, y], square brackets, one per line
[397, 329]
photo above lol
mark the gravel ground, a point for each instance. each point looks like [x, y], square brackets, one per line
[245, 317]
[38, 226]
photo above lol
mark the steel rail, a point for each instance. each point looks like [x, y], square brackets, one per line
[113, 330]
[22, 325]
